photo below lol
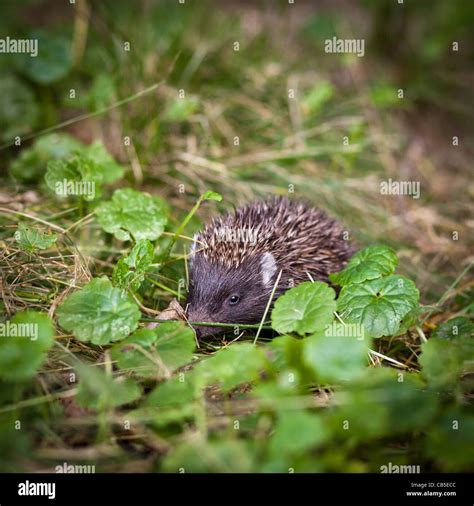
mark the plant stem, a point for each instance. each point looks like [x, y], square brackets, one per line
[181, 227]
[163, 287]
[268, 306]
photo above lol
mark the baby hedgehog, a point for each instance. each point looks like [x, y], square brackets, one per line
[236, 259]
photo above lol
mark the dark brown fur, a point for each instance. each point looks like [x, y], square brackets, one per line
[286, 235]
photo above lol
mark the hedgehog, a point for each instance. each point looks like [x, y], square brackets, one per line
[235, 260]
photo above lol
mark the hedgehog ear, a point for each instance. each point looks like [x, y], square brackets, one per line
[269, 267]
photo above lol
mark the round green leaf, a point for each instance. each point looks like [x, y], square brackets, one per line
[53, 61]
[444, 360]
[59, 170]
[31, 239]
[198, 456]
[97, 390]
[80, 176]
[335, 358]
[99, 313]
[236, 364]
[131, 213]
[382, 402]
[175, 344]
[19, 112]
[24, 341]
[371, 263]
[285, 351]
[31, 162]
[379, 305]
[409, 320]
[309, 427]
[449, 439]
[304, 309]
[111, 171]
[174, 391]
[147, 351]
[132, 353]
[454, 329]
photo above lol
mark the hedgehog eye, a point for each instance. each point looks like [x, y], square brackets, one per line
[233, 299]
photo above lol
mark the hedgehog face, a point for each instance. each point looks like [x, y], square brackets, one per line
[223, 294]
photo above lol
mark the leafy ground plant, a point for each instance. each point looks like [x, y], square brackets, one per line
[316, 374]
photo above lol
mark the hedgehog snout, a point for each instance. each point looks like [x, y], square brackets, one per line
[205, 331]
[195, 314]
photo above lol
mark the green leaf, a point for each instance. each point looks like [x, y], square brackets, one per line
[236, 364]
[380, 403]
[132, 353]
[296, 432]
[181, 109]
[371, 263]
[316, 98]
[177, 390]
[133, 214]
[454, 329]
[165, 417]
[209, 195]
[111, 170]
[409, 320]
[57, 145]
[15, 445]
[31, 239]
[80, 176]
[286, 356]
[19, 112]
[99, 313]
[285, 351]
[84, 173]
[59, 170]
[175, 344]
[102, 92]
[320, 26]
[439, 362]
[153, 352]
[335, 358]
[304, 309]
[32, 161]
[385, 96]
[197, 456]
[444, 360]
[278, 390]
[130, 270]
[24, 341]
[53, 61]
[97, 390]
[379, 305]
[450, 441]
